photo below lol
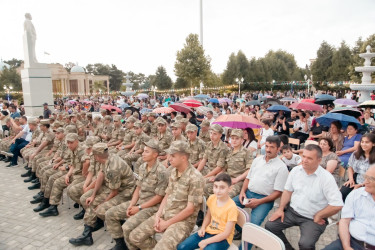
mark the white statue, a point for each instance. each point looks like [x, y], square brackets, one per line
[29, 39]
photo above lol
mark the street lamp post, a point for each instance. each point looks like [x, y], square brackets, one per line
[201, 86]
[239, 81]
[8, 89]
[154, 88]
[308, 84]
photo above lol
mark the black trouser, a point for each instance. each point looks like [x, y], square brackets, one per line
[345, 191]
[301, 136]
[310, 231]
[337, 245]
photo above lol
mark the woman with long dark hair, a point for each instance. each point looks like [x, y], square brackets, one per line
[250, 142]
[351, 143]
[359, 162]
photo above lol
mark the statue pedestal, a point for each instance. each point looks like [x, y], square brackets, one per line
[37, 89]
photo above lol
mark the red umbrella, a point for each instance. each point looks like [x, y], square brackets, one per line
[111, 108]
[193, 103]
[308, 100]
[163, 110]
[180, 107]
[306, 106]
[238, 121]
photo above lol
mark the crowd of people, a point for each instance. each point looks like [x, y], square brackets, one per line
[145, 175]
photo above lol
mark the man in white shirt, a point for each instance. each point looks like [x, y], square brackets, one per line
[357, 224]
[313, 196]
[210, 117]
[264, 183]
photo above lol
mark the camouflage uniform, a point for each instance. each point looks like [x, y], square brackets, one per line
[117, 175]
[150, 183]
[42, 161]
[107, 130]
[197, 149]
[133, 157]
[154, 129]
[117, 135]
[181, 189]
[7, 142]
[98, 129]
[205, 136]
[25, 152]
[165, 141]
[127, 140]
[48, 137]
[146, 127]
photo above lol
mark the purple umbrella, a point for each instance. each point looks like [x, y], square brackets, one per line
[347, 102]
[237, 121]
[227, 100]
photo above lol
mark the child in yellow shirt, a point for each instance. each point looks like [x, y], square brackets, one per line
[218, 225]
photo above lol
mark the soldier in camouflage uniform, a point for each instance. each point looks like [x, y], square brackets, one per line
[204, 132]
[164, 137]
[114, 185]
[107, 129]
[184, 193]
[151, 185]
[128, 141]
[128, 113]
[213, 159]
[183, 123]
[154, 126]
[80, 127]
[196, 145]
[97, 126]
[146, 125]
[5, 143]
[27, 151]
[237, 162]
[136, 152]
[74, 175]
[177, 132]
[117, 135]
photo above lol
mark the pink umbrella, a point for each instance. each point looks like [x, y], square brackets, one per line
[306, 106]
[238, 121]
[163, 110]
[193, 103]
[111, 108]
[227, 100]
[180, 107]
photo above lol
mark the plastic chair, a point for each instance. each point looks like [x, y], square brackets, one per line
[242, 219]
[308, 142]
[294, 141]
[260, 237]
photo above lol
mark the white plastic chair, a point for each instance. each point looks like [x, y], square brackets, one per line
[242, 219]
[260, 237]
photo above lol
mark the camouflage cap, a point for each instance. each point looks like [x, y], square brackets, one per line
[237, 132]
[161, 121]
[128, 112]
[154, 144]
[103, 111]
[178, 147]
[32, 121]
[217, 128]
[83, 113]
[71, 129]
[152, 114]
[73, 114]
[99, 148]
[176, 125]
[108, 118]
[131, 119]
[178, 117]
[60, 130]
[184, 120]
[97, 118]
[117, 118]
[138, 124]
[71, 137]
[89, 115]
[145, 114]
[205, 123]
[191, 127]
[44, 122]
[16, 119]
[91, 140]
[136, 115]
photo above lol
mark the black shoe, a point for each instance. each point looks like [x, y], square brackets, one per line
[76, 205]
[84, 239]
[27, 174]
[98, 225]
[2, 157]
[237, 235]
[26, 167]
[43, 205]
[37, 199]
[80, 215]
[35, 186]
[32, 177]
[51, 211]
[11, 165]
[120, 244]
[8, 159]
[40, 193]
[35, 180]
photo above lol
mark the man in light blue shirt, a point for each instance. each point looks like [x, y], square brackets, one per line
[357, 224]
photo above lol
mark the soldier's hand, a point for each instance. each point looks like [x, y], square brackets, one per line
[32, 156]
[13, 141]
[89, 200]
[67, 178]
[211, 179]
[62, 168]
[163, 225]
[157, 222]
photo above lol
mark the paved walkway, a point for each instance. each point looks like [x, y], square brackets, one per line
[22, 228]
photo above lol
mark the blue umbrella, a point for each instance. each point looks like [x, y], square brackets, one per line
[202, 97]
[166, 104]
[276, 108]
[214, 100]
[327, 119]
[123, 106]
[145, 110]
[325, 97]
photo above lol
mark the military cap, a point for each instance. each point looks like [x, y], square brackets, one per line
[44, 122]
[131, 119]
[16, 119]
[128, 112]
[60, 130]
[73, 114]
[205, 123]
[89, 115]
[108, 117]
[145, 114]
[52, 118]
[237, 132]
[103, 111]
[176, 125]
[32, 121]
[99, 148]
[161, 121]
[117, 118]
[97, 118]
[71, 137]
[153, 144]
[138, 124]
[83, 113]
[184, 120]
[152, 114]
[178, 117]
[178, 147]
[71, 129]
[191, 127]
[91, 140]
[217, 128]
[136, 115]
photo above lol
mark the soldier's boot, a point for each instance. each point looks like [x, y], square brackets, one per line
[26, 167]
[35, 186]
[27, 174]
[84, 239]
[120, 244]
[80, 215]
[38, 194]
[98, 225]
[51, 211]
[7, 159]
[76, 205]
[35, 180]
[32, 177]
[43, 205]
[39, 198]
[2, 157]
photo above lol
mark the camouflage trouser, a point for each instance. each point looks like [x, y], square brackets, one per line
[59, 185]
[143, 236]
[91, 214]
[26, 152]
[113, 217]
[75, 191]
[42, 163]
[130, 158]
[112, 150]
[45, 171]
[33, 164]
[51, 180]
[5, 145]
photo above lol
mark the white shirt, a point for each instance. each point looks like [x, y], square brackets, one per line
[360, 207]
[312, 193]
[265, 133]
[27, 134]
[266, 177]
[294, 161]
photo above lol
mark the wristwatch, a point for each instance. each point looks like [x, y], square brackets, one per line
[67, 167]
[140, 208]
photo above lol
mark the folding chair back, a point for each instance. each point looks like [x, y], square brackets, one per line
[294, 141]
[261, 238]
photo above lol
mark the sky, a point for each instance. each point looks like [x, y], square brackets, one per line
[141, 35]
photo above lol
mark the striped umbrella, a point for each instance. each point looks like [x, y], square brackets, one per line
[192, 103]
[163, 110]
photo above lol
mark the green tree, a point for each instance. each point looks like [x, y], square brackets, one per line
[191, 63]
[14, 63]
[10, 77]
[230, 73]
[116, 76]
[68, 66]
[319, 68]
[162, 80]
[341, 61]
[181, 83]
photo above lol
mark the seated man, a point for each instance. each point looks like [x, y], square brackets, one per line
[179, 209]
[127, 141]
[357, 225]
[313, 195]
[117, 135]
[177, 132]
[196, 145]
